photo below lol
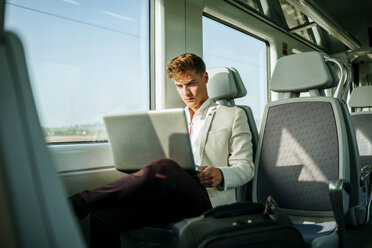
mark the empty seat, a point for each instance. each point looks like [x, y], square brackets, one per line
[304, 153]
[361, 98]
[37, 213]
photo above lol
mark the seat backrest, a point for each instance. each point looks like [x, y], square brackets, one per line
[38, 213]
[361, 98]
[303, 142]
[225, 85]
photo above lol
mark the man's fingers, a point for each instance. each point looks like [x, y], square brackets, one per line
[206, 177]
[203, 167]
[210, 176]
[208, 182]
[205, 174]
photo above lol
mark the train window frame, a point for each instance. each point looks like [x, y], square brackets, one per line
[283, 28]
[148, 83]
[267, 95]
[257, 7]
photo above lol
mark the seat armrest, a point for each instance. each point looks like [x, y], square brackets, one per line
[365, 173]
[337, 190]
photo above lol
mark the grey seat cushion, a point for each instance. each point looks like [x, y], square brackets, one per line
[299, 156]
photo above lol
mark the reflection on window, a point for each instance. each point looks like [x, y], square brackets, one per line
[225, 46]
[295, 18]
[85, 59]
[251, 3]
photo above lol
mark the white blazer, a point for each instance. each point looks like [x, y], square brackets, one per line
[226, 143]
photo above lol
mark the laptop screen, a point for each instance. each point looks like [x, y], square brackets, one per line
[138, 139]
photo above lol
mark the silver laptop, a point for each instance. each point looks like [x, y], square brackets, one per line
[138, 139]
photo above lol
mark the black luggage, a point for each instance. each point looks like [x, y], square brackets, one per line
[243, 224]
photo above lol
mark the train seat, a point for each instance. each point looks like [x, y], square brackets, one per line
[360, 98]
[224, 86]
[221, 89]
[228, 100]
[34, 210]
[303, 158]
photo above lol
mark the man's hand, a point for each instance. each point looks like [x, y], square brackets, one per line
[210, 176]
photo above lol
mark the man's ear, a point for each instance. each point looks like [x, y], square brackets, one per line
[206, 77]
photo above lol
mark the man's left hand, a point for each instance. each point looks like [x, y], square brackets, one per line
[210, 176]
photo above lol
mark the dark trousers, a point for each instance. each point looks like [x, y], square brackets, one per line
[162, 192]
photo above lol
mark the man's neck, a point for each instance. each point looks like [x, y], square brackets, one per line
[193, 110]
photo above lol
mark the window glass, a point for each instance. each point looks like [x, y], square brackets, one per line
[86, 59]
[250, 3]
[295, 18]
[225, 46]
[292, 16]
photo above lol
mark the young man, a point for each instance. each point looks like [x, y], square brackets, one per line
[163, 191]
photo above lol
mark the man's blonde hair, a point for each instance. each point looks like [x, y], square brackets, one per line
[183, 63]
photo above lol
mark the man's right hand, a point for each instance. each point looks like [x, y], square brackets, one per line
[210, 176]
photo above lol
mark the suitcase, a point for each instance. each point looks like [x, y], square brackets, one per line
[243, 224]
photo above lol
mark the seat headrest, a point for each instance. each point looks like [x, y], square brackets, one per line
[225, 83]
[361, 97]
[301, 72]
[242, 91]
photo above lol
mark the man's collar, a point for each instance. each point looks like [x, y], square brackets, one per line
[202, 107]
[205, 105]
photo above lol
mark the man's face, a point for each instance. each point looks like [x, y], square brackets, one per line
[192, 88]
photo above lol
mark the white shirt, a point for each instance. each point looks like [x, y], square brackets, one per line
[195, 128]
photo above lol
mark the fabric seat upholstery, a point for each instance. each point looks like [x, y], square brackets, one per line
[306, 145]
[360, 99]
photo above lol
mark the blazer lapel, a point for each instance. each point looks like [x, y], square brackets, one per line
[209, 116]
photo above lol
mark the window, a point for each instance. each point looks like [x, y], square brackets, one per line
[295, 18]
[225, 46]
[254, 4]
[86, 59]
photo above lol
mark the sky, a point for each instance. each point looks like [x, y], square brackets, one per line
[225, 46]
[87, 58]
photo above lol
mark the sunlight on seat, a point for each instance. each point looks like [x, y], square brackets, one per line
[364, 141]
[310, 170]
